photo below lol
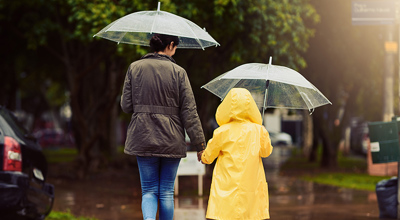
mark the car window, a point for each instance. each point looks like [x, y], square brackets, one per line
[10, 124]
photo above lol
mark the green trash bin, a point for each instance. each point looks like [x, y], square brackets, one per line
[384, 139]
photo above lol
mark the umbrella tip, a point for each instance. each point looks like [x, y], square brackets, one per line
[270, 60]
[158, 7]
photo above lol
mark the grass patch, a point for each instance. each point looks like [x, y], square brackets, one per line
[351, 171]
[54, 215]
[60, 155]
[347, 180]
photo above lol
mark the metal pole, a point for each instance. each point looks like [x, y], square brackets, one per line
[398, 163]
[398, 191]
[397, 4]
[388, 95]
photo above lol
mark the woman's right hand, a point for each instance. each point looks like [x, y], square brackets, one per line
[199, 155]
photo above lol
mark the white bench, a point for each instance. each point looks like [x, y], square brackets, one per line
[190, 166]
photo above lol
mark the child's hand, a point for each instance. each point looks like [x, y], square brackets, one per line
[199, 155]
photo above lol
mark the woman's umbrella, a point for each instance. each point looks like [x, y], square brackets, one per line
[271, 86]
[138, 28]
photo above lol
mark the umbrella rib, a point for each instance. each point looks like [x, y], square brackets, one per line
[213, 93]
[310, 104]
[197, 39]
[155, 18]
[315, 89]
[123, 35]
[237, 82]
[222, 96]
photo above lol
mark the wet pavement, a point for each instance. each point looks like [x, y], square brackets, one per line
[115, 195]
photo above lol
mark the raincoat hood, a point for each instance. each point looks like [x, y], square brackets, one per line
[238, 105]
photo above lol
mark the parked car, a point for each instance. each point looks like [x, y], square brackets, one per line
[24, 193]
[52, 137]
[280, 139]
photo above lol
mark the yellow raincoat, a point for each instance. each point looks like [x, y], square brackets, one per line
[239, 189]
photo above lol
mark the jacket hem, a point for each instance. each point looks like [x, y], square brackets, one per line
[148, 154]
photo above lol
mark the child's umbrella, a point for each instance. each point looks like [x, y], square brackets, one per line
[271, 86]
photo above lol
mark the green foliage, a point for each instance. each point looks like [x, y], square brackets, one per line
[52, 41]
[347, 180]
[60, 155]
[55, 215]
[249, 31]
[259, 29]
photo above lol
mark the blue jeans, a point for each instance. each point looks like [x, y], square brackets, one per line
[157, 178]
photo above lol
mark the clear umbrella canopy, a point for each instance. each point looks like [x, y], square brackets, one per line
[271, 86]
[138, 28]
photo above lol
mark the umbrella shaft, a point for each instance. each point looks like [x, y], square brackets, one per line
[265, 100]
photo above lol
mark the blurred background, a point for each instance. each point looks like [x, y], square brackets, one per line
[65, 85]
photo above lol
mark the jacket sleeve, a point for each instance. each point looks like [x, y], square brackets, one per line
[213, 149]
[188, 113]
[126, 98]
[266, 147]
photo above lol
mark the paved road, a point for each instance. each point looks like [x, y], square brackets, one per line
[115, 195]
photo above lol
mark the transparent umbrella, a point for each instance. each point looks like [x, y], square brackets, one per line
[138, 28]
[271, 86]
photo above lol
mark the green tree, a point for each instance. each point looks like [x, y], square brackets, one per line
[249, 31]
[58, 51]
[60, 35]
[27, 82]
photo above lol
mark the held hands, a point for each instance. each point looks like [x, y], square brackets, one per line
[199, 154]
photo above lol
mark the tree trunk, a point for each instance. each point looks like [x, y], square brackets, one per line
[94, 86]
[317, 129]
[329, 151]
[307, 142]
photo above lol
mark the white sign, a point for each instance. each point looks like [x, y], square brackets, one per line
[375, 147]
[373, 12]
[190, 166]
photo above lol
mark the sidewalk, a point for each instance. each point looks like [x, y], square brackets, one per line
[291, 198]
[116, 195]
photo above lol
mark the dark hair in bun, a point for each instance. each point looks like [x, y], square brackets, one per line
[160, 41]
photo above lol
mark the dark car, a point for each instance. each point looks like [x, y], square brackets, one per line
[24, 193]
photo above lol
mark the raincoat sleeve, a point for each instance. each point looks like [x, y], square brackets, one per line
[213, 149]
[188, 113]
[266, 147]
[126, 98]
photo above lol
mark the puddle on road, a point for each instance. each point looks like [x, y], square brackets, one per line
[291, 198]
[115, 195]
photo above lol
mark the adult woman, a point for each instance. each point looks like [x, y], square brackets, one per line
[157, 92]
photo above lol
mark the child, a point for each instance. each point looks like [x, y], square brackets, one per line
[239, 189]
